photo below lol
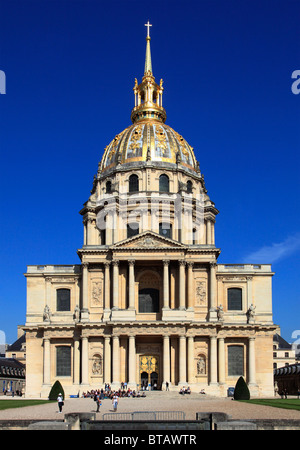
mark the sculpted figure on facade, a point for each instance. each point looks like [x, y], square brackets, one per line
[251, 313]
[46, 314]
[220, 313]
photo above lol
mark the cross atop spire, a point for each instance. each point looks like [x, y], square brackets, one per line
[148, 25]
[148, 63]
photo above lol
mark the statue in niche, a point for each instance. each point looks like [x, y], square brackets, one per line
[97, 366]
[201, 366]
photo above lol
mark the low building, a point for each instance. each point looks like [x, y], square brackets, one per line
[17, 350]
[283, 352]
[12, 376]
[287, 379]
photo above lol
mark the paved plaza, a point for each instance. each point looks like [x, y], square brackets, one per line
[155, 401]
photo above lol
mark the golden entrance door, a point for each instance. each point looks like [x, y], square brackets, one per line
[149, 371]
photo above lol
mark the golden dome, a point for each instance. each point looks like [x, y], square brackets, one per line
[149, 138]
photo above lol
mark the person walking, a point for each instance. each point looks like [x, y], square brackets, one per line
[98, 400]
[60, 401]
[115, 401]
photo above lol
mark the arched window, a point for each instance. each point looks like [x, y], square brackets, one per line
[63, 297]
[234, 299]
[133, 183]
[164, 183]
[63, 361]
[189, 187]
[235, 360]
[108, 187]
[165, 229]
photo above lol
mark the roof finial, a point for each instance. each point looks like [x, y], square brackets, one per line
[148, 63]
[148, 25]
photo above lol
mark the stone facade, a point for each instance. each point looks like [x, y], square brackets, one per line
[148, 303]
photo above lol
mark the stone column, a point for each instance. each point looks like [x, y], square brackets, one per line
[191, 356]
[252, 369]
[190, 299]
[182, 360]
[76, 361]
[213, 233]
[132, 362]
[166, 359]
[84, 310]
[131, 284]
[84, 361]
[89, 231]
[208, 232]
[116, 361]
[107, 360]
[221, 365]
[213, 360]
[115, 284]
[84, 233]
[47, 364]
[182, 284]
[213, 292]
[109, 228]
[107, 286]
[166, 301]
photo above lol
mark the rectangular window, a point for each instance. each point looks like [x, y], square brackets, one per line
[235, 360]
[63, 300]
[165, 229]
[132, 229]
[234, 299]
[63, 361]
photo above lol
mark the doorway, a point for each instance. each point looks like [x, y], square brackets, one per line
[149, 372]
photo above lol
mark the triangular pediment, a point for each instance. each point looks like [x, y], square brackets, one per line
[148, 240]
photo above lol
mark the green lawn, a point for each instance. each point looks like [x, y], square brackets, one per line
[277, 403]
[11, 403]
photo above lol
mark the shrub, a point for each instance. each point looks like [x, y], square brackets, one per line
[241, 391]
[55, 390]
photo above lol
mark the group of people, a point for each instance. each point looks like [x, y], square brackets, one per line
[108, 393]
[185, 390]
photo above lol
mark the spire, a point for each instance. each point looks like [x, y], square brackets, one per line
[148, 94]
[148, 63]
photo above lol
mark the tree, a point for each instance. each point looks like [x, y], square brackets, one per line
[241, 391]
[55, 390]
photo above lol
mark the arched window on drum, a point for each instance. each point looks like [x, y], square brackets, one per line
[164, 183]
[133, 183]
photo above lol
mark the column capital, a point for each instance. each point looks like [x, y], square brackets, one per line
[106, 264]
[166, 262]
[85, 265]
[182, 262]
[115, 262]
[131, 262]
[190, 264]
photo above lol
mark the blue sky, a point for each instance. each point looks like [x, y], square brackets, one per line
[70, 67]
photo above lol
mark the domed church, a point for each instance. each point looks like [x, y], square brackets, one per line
[149, 305]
